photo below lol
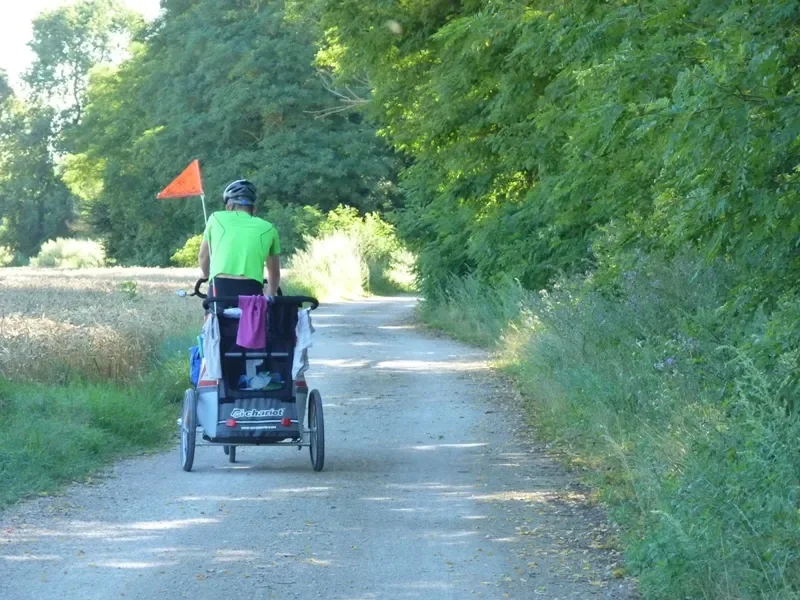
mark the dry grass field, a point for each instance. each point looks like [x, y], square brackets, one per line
[97, 324]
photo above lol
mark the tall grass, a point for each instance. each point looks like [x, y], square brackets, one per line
[331, 267]
[675, 425]
[473, 312]
[53, 434]
[97, 325]
[352, 257]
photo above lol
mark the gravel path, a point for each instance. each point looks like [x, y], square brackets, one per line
[428, 493]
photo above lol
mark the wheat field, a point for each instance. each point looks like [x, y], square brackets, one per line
[91, 324]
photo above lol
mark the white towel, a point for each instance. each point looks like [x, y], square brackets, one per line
[303, 331]
[211, 347]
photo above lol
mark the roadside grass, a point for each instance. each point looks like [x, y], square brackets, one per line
[662, 413]
[53, 434]
[472, 312]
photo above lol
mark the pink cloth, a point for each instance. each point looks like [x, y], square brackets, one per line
[253, 322]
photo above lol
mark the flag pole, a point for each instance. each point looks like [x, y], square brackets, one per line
[205, 214]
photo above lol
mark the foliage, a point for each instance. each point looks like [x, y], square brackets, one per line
[295, 223]
[533, 123]
[34, 204]
[70, 253]
[639, 161]
[187, 256]
[5, 88]
[79, 428]
[389, 264]
[6, 256]
[350, 256]
[331, 267]
[232, 83]
[71, 40]
[665, 411]
[67, 43]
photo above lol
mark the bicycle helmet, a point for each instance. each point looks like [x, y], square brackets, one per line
[241, 192]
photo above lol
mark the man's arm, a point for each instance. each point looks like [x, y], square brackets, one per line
[273, 274]
[205, 259]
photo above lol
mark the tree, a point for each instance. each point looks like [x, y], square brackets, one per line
[533, 126]
[71, 40]
[232, 83]
[68, 42]
[34, 204]
[5, 88]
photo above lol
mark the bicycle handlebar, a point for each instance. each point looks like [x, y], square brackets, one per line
[234, 300]
[197, 293]
[197, 285]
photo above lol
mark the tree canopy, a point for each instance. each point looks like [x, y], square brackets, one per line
[34, 204]
[537, 128]
[231, 83]
[532, 138]
[68, 43]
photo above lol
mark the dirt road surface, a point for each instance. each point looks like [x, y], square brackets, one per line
[428, 493]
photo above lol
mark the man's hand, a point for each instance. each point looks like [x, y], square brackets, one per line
[273, 274]
[204, 259]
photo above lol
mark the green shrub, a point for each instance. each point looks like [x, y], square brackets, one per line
[65, 253]
[331, 267]
[389, 264]
[647, 384]
[187, 256]
[6, 256]
[353, 255]
[295, 223]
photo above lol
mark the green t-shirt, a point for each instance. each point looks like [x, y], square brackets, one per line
[240, 244]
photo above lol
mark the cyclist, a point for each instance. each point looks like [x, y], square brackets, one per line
[237, 245]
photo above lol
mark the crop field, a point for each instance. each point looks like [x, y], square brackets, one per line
[94, 325]
[92, 365]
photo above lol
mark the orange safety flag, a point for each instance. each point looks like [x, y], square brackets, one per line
[186, 184]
